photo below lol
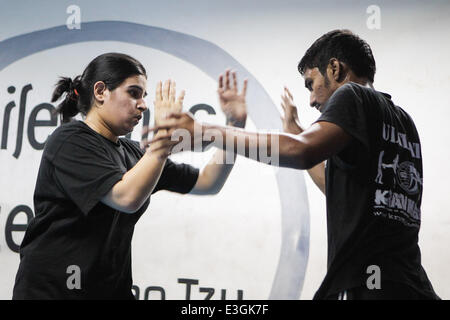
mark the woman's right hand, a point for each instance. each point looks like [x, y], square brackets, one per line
[165, 102]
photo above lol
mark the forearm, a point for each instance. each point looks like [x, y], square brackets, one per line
[129, 194]
[213, 177]
[281, 150]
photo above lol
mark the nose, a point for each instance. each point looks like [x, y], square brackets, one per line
[142, 106]
[312, 100]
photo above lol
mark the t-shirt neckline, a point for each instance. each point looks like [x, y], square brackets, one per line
[117, 144]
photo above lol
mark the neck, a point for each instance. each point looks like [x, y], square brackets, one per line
[365, 83]
[361, 81]
[98, 125]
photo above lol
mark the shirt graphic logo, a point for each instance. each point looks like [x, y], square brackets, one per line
[381, 166]
[409, 178]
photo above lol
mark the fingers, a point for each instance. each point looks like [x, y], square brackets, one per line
[171, 121]
[158, 95]
[159, 127]
[165, 90]
[181, 98]
[286, 90]
[244, 88]
[286, 101]
[220, 82]
[166, 145]
[172, 91]
[227, 79]
[234, 80]
[160, 136]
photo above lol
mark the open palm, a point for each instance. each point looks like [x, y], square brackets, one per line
[231, 101]
[165, 102]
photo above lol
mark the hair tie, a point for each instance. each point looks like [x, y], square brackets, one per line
[76, 92]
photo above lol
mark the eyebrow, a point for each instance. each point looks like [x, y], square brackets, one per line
[133, 86]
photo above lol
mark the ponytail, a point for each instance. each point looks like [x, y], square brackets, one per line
[68, 108]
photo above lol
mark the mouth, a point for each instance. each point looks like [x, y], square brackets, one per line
[137, 118]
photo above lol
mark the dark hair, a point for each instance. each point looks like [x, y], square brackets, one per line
[111, 68]
[344, 46]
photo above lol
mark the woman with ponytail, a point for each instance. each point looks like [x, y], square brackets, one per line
[93, 185]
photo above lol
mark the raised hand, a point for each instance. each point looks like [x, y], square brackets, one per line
[165, 102]
[231, 101]
[181, 129]
[290, 120]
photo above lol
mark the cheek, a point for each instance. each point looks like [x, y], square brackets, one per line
[322, 94]
[319, 93]
[119, 112]
[125, 106]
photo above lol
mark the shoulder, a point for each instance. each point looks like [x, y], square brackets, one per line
[353, 90]
[128, 142]
[131, 145]
[74, 132]
[349, 92]
[354, 94]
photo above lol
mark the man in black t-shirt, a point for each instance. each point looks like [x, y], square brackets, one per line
[373, 179]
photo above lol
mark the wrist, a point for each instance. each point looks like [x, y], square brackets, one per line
[212, 135]
[159, 155]
[239, 123]
[292, 127]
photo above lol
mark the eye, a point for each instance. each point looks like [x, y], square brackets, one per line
[136, 94]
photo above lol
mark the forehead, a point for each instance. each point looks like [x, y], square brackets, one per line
[136, 80]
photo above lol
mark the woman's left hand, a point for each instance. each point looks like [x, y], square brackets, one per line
[231, 101]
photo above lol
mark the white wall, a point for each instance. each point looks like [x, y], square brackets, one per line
[267, 38]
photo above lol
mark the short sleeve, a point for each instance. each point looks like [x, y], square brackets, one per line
[180, 178]
[84, 170]
[345, 109]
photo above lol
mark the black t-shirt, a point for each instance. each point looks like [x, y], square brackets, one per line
[73, 234]
[374, 192]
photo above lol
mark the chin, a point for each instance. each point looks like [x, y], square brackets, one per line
[124, 132]
[128, 131]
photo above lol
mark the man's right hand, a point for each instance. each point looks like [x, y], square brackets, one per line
[290, 120]
[291, 124]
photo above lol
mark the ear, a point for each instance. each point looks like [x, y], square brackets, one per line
[99, 91]
[337, 70]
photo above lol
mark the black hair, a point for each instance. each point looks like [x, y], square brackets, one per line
[111, 68]
[343, 45]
